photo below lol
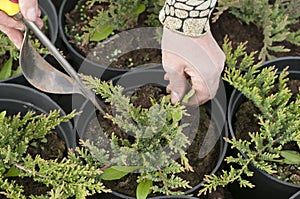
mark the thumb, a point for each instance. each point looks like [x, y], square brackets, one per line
[177, 85]
[29, 9]
[175, 74]
[14, 35]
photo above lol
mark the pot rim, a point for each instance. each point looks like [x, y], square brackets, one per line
[65, 128]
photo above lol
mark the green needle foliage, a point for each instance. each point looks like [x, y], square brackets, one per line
[67, 178]
[274, 19]
[158, 138]
[278, 119]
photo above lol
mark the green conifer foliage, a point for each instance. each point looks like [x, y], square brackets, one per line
[278, 119]
[68, 177]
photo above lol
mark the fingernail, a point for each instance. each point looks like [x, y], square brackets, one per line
[174, 97]
[31, 14]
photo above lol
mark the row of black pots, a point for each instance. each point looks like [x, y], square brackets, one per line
[266, 186]
[17, 98]
[16, 95]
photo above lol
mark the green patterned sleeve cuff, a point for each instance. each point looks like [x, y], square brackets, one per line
[189, 17]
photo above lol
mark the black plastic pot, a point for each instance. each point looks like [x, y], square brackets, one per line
[49, 10]
[81, 63]
[138, 78]
[57, 4]
[266, 186]
[16, 98]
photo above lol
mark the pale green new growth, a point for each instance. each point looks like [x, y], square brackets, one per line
[273, 19]
[278, 119]
[158, 140]
[67, 178]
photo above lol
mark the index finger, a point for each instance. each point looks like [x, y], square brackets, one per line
[29, 9]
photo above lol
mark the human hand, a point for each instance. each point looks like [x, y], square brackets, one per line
[197, 59]
[12, 28]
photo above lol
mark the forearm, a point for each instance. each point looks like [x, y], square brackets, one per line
[188, 17]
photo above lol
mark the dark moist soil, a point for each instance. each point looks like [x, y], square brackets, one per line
[238, 32]
[245, 122]
[201, 166]
[52, 149]
[103, 53]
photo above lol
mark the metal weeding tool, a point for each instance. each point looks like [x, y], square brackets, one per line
[38, 71]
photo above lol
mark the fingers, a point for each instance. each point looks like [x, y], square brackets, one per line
[11, 28]
[178, 86]
[203, 91]
[176, 76]
[200, 59]
[39, 22]
[14, 35]
[8, 21]
[205, 82]
[29, 9]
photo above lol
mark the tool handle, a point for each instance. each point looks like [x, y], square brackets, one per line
[10, 7]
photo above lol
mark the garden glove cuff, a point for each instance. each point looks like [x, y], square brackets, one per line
[187, 17]
[200, 60]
